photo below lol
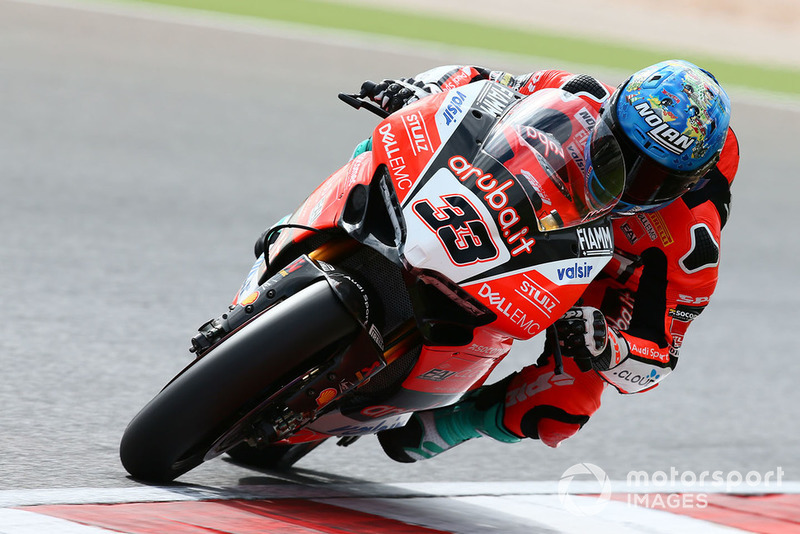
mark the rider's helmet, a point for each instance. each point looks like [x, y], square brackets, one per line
[666, 126]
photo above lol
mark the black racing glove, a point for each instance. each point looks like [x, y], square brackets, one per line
[583, 336]
[392, 95]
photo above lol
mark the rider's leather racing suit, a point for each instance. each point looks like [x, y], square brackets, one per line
[661, 278]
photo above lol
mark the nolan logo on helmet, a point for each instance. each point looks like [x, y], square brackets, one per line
[662, 133]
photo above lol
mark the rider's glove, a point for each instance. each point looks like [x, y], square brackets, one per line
[583, 335]
[392, 95]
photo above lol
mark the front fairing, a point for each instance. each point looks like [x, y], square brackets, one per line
[451, 208]
[541, 140]
[508, 229]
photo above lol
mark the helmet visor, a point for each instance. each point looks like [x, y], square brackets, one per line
[605, 167]
[651, 183]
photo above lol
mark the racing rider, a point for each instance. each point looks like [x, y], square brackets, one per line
[671, 122]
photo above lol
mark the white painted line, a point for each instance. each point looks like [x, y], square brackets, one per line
[614, 518]
[33, 497]
[24, 522]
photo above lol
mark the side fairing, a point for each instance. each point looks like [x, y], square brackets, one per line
[323, 207]
[528, 301]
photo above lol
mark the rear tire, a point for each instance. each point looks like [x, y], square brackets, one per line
[175, 430]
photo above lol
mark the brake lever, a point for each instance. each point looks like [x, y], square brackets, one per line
[356, 102]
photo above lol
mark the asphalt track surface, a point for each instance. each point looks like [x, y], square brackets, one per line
[139, 160]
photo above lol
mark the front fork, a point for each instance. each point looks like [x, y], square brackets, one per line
[341, 369]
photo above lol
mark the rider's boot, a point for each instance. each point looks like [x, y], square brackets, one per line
[432, 432]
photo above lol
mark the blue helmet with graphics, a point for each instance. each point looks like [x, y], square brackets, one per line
[658, 134]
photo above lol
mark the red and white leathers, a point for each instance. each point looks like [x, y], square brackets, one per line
[662, 277]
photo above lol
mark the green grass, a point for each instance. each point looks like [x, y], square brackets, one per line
[460, 32]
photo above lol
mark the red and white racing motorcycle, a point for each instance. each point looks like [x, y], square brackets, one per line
[397, 286]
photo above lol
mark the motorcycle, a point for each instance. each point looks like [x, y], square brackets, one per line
[397, 286]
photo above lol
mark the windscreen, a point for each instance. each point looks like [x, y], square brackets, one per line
[541, 142]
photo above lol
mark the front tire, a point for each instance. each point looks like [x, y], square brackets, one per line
[175, 430]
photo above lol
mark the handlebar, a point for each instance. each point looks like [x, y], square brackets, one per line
[358, 102]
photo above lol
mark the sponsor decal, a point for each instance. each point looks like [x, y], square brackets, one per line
[436, 375]
[550, 145]
[494, 99]
[503, 78]
[542, 383]
[661, 132]
[488, 351]
[661, 228]
[354, 170]
[375, 334]
[530, 87]
[363, 296]
[595, 241]
[292, 267]
[316, 211]
[251, 282]
[397, 164]
[617, 351]
[345, 386]
[621, 320]
[577, 156]
[628, 232]
[683, 312]
[459, 227]
[568, 272]
[327, 267]
[640, 379]
[681, 317]
[648, 352]
[353, 430]
[689, 299]
[677, 339]
[496, 198]
[537, 295]
[326, 395]
[454, 107]
[651, 232]
[251, 298]
[586, 118]
[576, 271]
[509, 309]
[461, 77]
[440, 375]
[417, 133]
[458, 252]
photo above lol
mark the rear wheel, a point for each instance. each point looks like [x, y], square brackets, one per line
[174, 432]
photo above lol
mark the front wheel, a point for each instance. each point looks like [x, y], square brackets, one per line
[174, 432]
